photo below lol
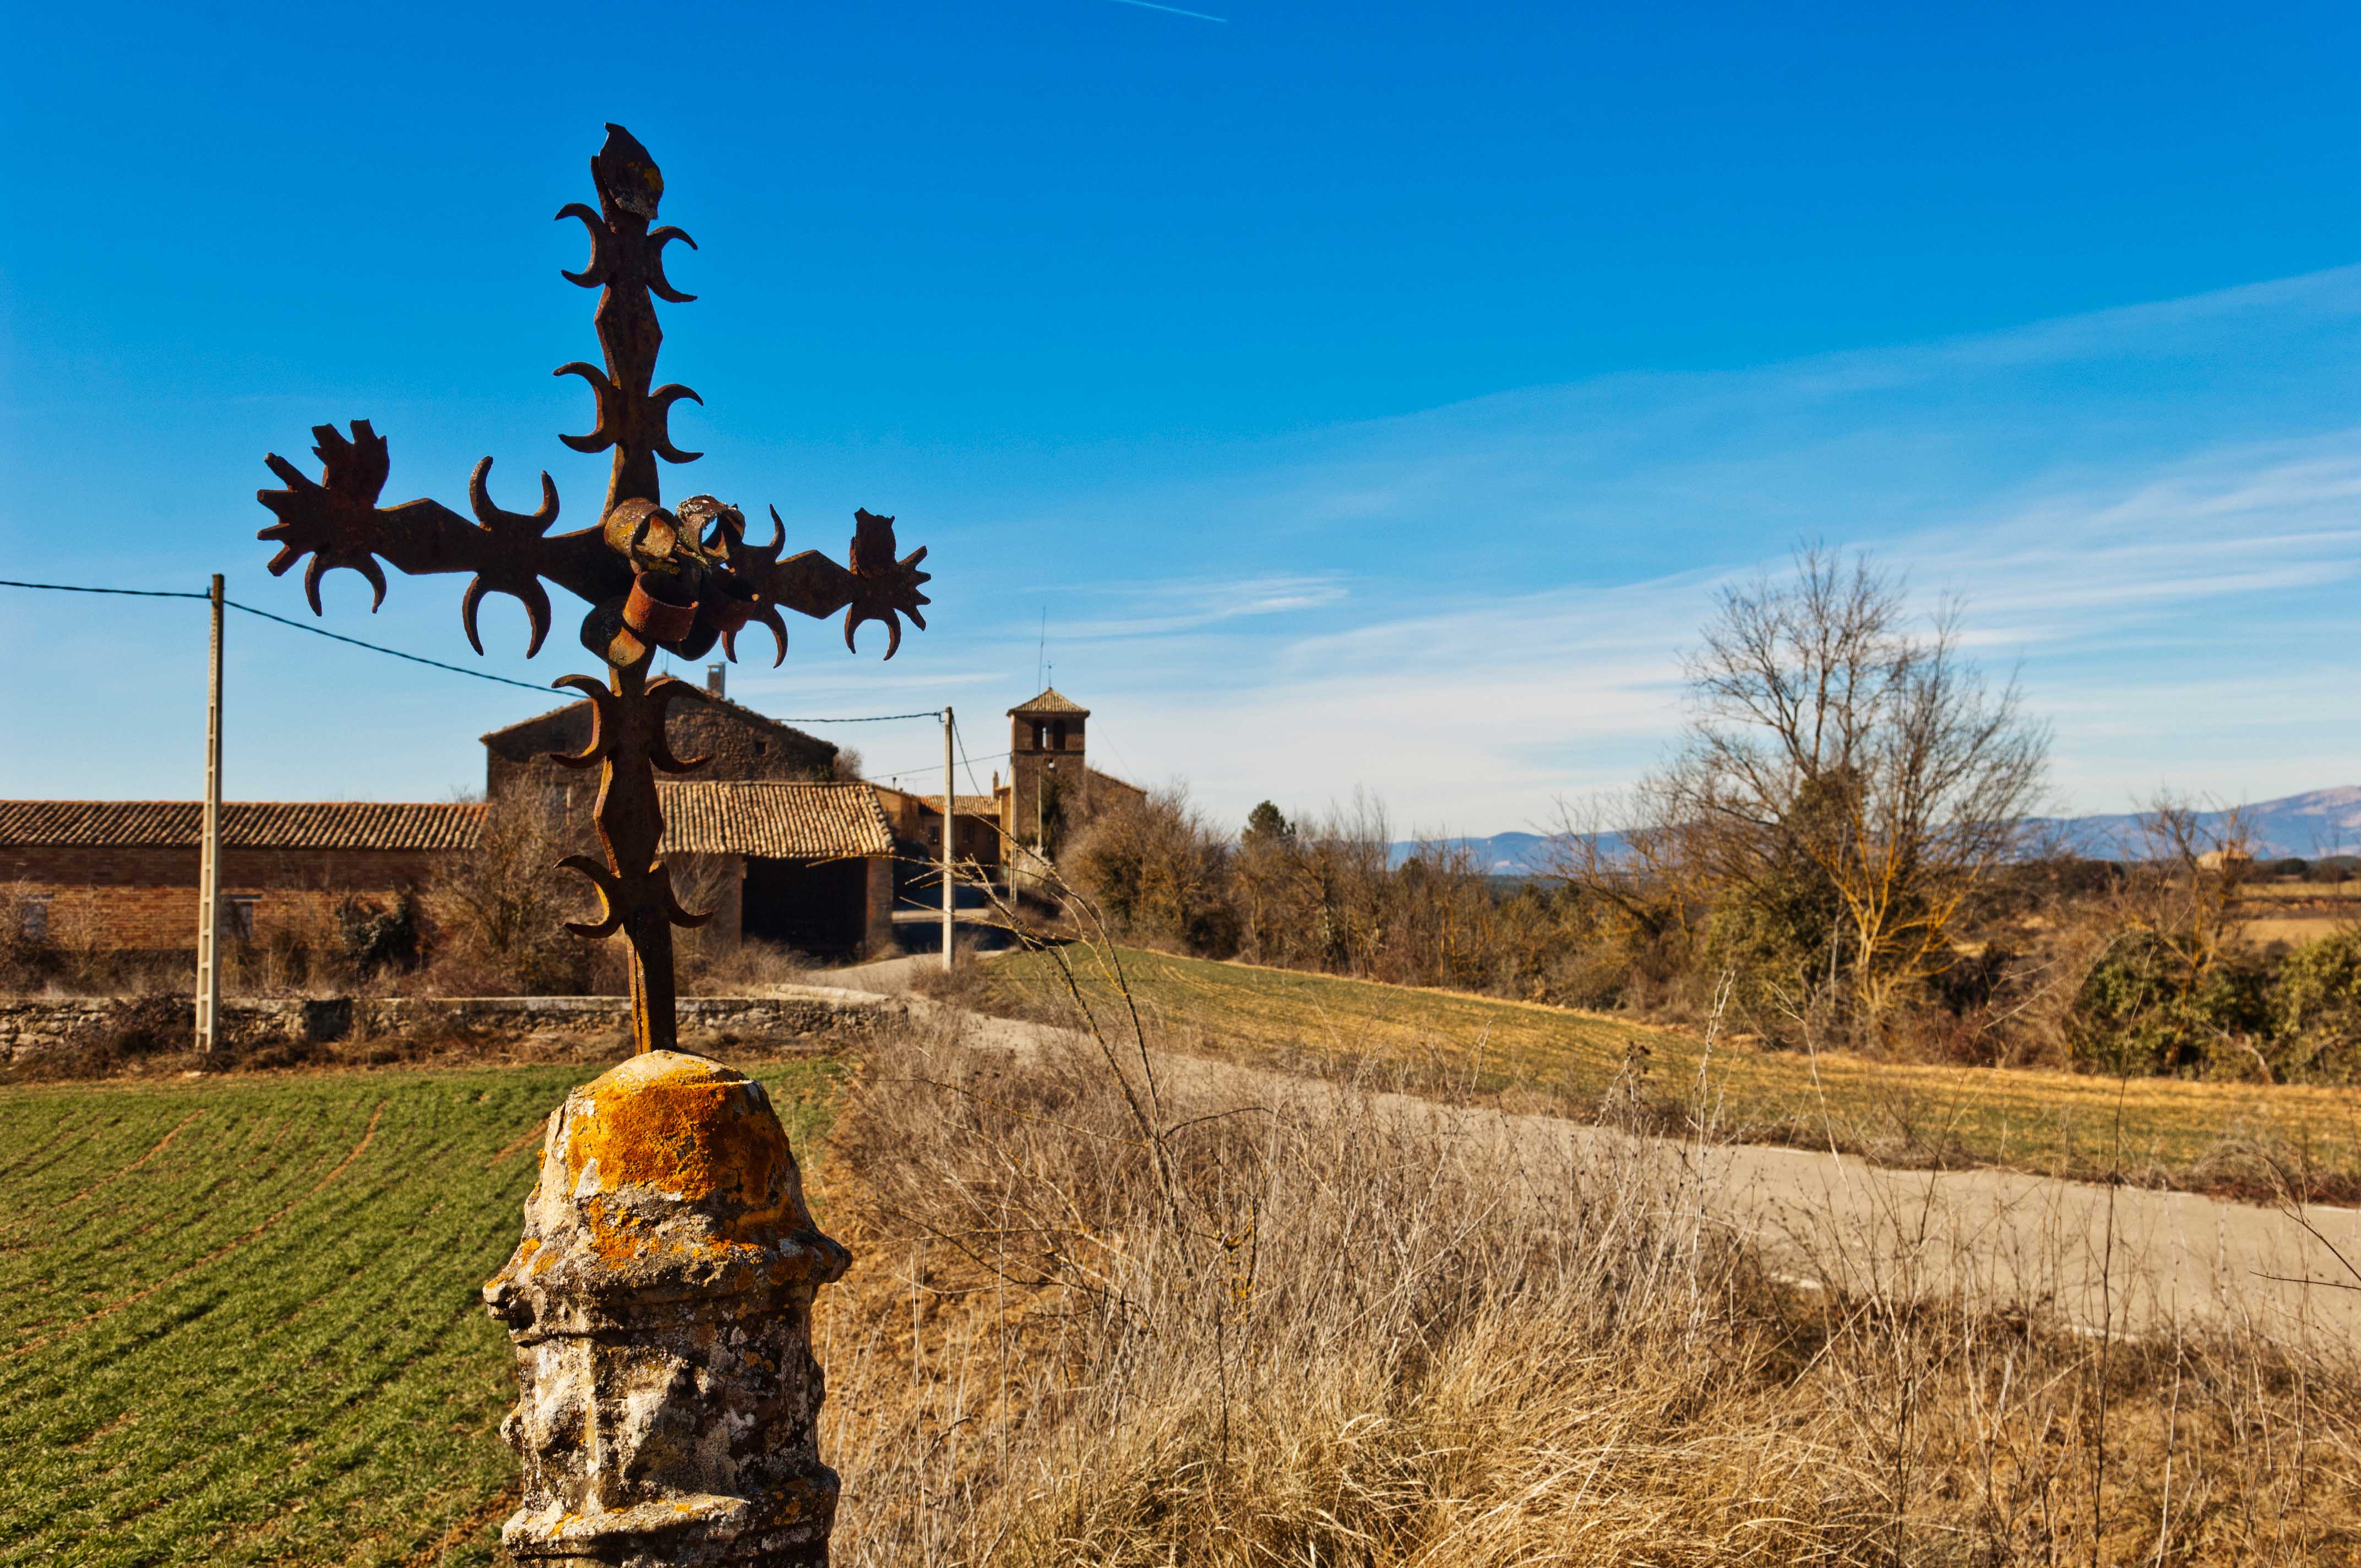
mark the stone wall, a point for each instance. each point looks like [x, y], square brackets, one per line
[30, 1027]
[738, 743]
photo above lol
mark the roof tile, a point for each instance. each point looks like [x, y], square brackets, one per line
[774, 820]
[245, 824]
[1051, 700]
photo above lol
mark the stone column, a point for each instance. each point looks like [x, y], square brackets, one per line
[661, 1307]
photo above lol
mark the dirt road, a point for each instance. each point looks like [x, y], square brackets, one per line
[2136, 1260]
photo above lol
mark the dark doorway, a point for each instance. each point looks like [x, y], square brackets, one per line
[813, 906]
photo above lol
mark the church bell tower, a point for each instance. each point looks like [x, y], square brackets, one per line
[1048, 783]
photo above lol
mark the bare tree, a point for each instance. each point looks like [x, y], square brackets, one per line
[2184, 885]
[500, 906]
[1833, 748]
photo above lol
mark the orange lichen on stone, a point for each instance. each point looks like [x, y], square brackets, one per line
[683, 1125]
[614, 1231]
[679, 1128]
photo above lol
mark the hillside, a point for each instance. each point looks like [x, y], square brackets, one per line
[2309, 826]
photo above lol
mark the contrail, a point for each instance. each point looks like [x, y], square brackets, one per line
[1152, 5]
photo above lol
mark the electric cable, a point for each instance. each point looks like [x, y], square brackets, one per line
[933, 713]
[392, 652]
[228, 603]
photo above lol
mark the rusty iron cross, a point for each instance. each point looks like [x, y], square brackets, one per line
[680, 579]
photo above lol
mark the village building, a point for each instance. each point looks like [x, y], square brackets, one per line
[764, 834]
[1050, 793]
[121, 875]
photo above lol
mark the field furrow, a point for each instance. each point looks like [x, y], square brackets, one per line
[243, 1321]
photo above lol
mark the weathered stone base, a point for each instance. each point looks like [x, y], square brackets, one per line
[660, 1302]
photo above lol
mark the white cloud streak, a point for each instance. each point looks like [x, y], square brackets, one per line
[2160, 555]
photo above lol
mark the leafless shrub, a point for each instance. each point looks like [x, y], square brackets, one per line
[1158, 868]
[500, 910]
[742, 968]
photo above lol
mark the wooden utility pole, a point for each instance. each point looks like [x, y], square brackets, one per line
[209, 849]
[951, 826]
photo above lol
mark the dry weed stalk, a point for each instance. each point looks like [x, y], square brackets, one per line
[1127, 1309]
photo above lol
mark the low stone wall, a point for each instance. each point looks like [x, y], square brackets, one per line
[31, 1027]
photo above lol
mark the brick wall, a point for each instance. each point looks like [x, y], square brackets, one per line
[146, 898]
[740, 747]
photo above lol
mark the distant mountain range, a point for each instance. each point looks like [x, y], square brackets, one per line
[2321, 822]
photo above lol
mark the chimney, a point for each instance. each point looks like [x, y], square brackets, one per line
[713, 679]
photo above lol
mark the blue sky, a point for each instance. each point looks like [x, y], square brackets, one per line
[1371, 395]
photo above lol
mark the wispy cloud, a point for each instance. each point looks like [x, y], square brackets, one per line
[1175, 10]
[1161, 609]
[2147, 511]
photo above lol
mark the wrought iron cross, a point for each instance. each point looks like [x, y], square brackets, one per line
[679, 579]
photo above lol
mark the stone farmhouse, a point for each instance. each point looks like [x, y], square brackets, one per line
[764, 834]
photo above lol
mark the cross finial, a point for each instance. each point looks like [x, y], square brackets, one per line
[681, 580]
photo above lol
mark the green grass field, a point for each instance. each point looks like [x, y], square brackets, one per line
[241, 1318]
[2201, 1134]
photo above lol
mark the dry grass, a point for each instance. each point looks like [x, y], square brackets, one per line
[2295, 930]
[2212, 1136]
[1104, 1312]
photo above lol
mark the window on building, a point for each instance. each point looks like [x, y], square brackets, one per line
[237, 917]
[1040, 736]
[1058, 736]
[33, 918]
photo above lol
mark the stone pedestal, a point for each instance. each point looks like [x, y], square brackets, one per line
[661, 1306]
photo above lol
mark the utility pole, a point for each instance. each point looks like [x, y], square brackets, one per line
[209, 849]
[951, 825]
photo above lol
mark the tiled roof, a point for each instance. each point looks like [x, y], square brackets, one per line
[247, 825]
[1050, 701]
[968, 804]
[776, 821]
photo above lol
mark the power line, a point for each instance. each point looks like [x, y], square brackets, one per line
[135, 592]
[396, 652]
[390, 653]
[934, 713]
[962, 742]
[297, 625]
[929, 767]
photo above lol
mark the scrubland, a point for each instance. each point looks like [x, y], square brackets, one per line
[1113, 1315]
[1107, 1308]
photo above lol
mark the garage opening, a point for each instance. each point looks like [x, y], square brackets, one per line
[813, 906]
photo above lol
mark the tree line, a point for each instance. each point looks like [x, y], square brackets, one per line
[1843, 849]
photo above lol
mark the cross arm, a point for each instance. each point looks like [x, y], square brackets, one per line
[336, 521]
[875, 586]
